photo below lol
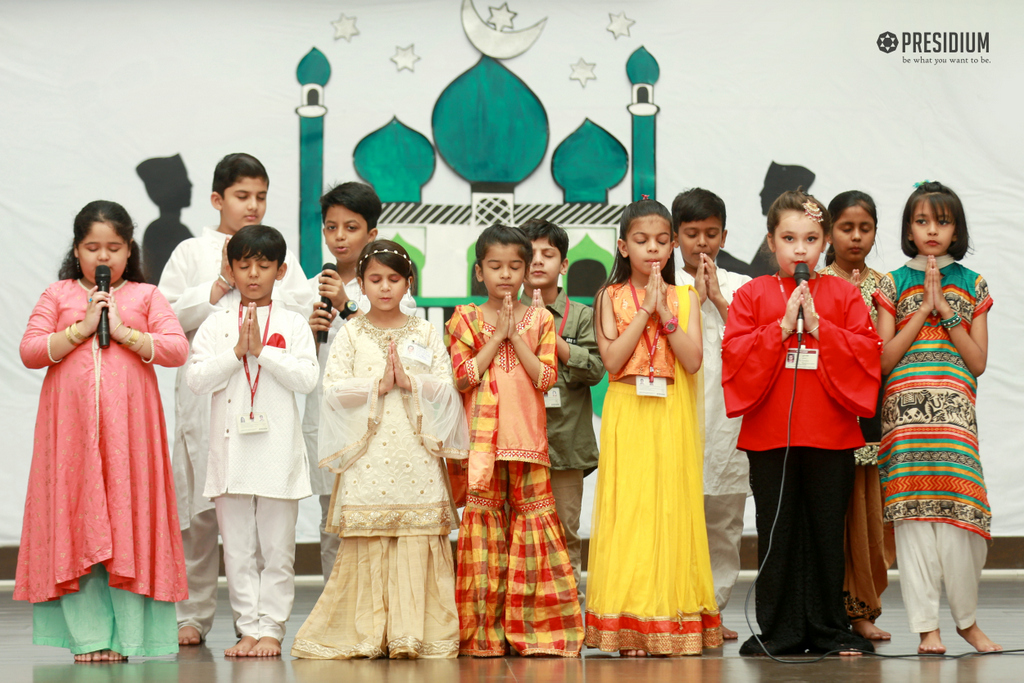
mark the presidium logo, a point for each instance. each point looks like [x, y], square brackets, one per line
[954, 46]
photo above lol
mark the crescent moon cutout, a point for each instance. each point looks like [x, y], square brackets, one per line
[494, 43]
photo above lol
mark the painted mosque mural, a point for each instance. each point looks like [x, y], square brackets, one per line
[492, 130]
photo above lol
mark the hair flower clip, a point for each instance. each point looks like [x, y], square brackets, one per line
[644, 197]
[812, 211]
[917, 186]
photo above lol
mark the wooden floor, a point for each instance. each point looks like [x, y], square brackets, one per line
[1001, 615]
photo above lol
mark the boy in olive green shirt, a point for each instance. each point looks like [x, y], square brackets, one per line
[572, 445]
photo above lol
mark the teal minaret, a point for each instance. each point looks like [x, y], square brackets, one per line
[313, 73]
[642, 70]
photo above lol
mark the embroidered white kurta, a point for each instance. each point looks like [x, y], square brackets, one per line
[388, 449]
[271, 464]
[322, 480]
[726, 469]
[185, 283]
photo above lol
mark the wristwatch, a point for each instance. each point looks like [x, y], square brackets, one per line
[671, 326]
[349, 309]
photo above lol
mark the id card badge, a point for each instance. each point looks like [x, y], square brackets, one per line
[808, 359]
[256, 424]
[416, 352]
[553, 398]
[647, 386]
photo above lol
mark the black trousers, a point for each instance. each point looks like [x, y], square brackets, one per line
[799, 593]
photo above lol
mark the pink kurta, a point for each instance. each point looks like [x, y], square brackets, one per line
[100, 490]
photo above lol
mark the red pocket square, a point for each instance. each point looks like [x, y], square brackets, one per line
[276, 340]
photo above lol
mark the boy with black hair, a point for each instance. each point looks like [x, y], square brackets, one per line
[572, 445]
[197, 282]
[253, 360]
[350, 212]
[698, 217]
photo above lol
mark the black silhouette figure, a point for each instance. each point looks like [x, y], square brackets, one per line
[779, 179]
[167, 184]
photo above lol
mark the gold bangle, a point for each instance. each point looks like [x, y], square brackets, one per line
[76, 334]
[127, 341]
[134, 339]
[113, 332]
[67, 335]
[785, 329]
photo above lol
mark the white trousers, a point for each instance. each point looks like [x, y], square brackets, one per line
[932, 553]
[254, 528]
[723, 516]
[329, 543]
[202, 566]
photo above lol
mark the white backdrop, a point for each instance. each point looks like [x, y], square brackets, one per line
[92, 89]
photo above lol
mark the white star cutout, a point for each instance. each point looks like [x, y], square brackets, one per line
[501, 17]
[582, 71]
[345, 27]
[620, 24]
[405, 58]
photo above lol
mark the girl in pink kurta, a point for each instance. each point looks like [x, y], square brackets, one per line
[100, 554]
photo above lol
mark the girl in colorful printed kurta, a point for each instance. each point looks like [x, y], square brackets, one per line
[390, 415]
[100, 553]
[515, 580]
[800, 429]
[650, 588]
[870, 547]
[932, 314]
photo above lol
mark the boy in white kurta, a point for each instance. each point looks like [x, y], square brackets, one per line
[699, 218]
[196, 282]
[253, 359]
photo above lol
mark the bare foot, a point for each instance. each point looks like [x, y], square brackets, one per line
[88, 657]
[189, 635]
[931, 644]
[850, 653]
[632, 653]
[114, 656]
[977, 638]
[729, 634]
[865, 629]
[267, 647]
[243, 648]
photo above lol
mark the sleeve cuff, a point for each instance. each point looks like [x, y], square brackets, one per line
[579, 357]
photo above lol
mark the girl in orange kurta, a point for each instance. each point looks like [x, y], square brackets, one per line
[100, 553]
[514, 581]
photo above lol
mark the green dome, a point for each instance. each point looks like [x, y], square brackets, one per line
[396, 160]
[313, 68]
[641, 67]
[489, 126]
[588, 162]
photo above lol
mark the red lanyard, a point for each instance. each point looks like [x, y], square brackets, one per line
[565, 316]
[245, 360]
[657, 333]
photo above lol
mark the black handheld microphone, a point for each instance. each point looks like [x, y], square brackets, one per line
[321, 336]
[801, 274]
[103, 285]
